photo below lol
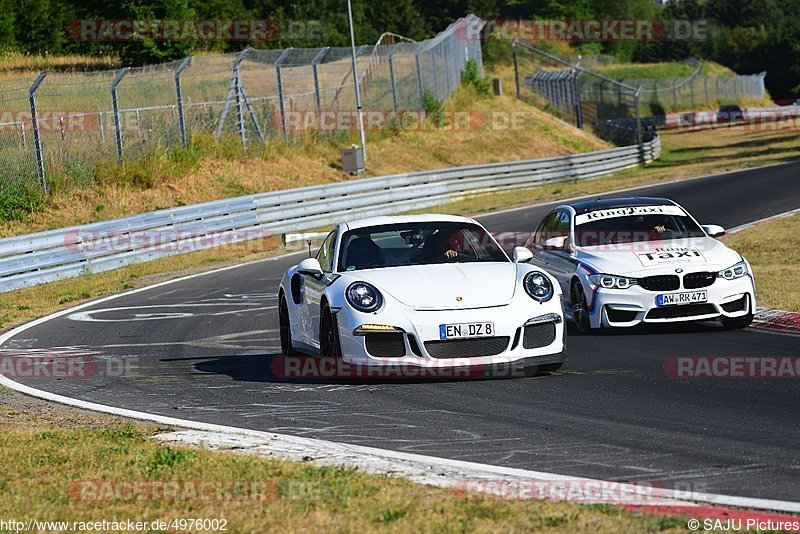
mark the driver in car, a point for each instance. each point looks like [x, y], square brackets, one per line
[437, 247]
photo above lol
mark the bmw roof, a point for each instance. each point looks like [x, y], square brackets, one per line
[585, 206]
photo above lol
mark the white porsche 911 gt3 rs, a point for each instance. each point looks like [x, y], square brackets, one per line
[621, 262]
[422, 290]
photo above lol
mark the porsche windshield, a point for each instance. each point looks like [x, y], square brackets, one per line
[636, 228]
[417, 244]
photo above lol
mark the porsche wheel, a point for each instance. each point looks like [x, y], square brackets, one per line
[285, 329]
[329, 346]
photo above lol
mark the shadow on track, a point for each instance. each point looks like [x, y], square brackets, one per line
[274, 368]
[706, 327]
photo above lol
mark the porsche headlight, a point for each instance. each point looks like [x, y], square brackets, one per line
[610, 281]
[734, 271]
[363, 297]
[538, 286]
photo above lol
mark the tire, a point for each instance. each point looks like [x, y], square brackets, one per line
[329, 346]
[285, 328]
[580, 310]
[737, 322]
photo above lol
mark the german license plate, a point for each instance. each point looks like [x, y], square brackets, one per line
[691, 297]
[465, 330]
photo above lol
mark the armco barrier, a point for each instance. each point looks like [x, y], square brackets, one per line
[47, 256]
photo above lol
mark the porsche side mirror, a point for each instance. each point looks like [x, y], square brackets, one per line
[521, 255]
[714, 230]
[555, 243]
[310, 266]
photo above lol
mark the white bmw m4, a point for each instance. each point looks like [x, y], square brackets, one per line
[625, 261]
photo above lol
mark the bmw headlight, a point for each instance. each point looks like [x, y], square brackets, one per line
[363, 297]
[610, 281]
[733, 272]
[538, 286]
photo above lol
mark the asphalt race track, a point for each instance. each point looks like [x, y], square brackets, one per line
[200, 349]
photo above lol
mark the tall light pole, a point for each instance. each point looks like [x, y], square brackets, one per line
[355, 81]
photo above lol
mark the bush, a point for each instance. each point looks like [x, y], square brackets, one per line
[497, 53]
[472, 77]
[18, 200]
[433, 107]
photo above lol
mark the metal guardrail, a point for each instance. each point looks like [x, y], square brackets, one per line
[33, 259]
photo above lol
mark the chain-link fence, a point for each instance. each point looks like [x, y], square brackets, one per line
[568, 91]
[622, 110]
[56, 128]
[696, 91]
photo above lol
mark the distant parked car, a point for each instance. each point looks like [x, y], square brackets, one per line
[730, 113]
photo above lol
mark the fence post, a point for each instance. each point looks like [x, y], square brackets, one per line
[433, 71]
[516, 67]
[37, 140]
[447, 81]
[179, 100]
[675, 93]
[392, 79]
[115, 108]
[315, 74]
[235, 90]
[281, 104]
[419, 82]
[638, 115]
[705, 87]
[577, 92]
[237, 94]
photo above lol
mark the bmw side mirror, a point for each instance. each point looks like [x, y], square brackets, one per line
[714, 230]
[555, 243]
[311, 267]
[521, 255]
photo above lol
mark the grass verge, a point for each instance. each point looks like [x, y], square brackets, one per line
[59, 452]
[771, 249]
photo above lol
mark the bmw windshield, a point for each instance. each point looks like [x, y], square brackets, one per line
[633, 225]
[417, 244]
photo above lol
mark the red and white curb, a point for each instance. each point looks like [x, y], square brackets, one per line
[776, 321]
